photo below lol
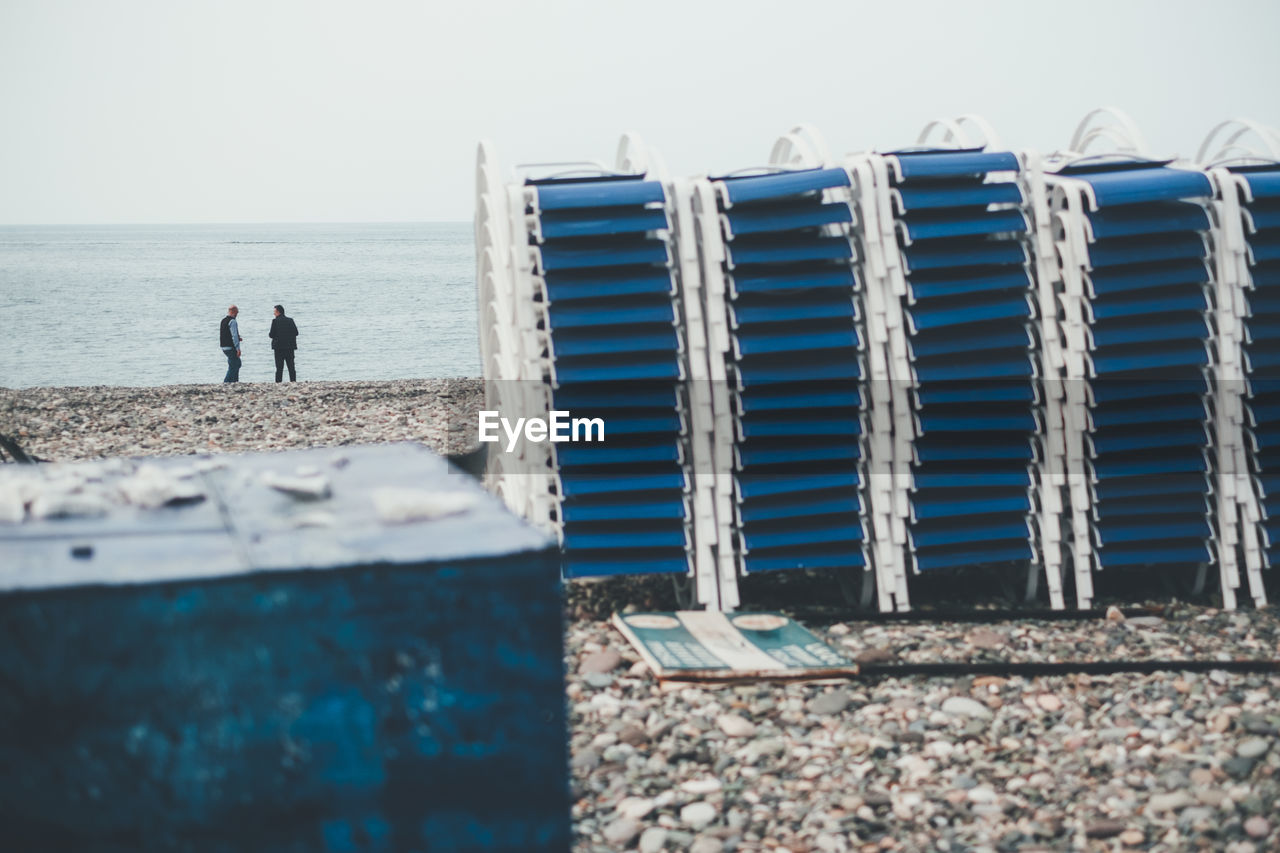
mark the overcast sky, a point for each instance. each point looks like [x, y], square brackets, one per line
[156, 111]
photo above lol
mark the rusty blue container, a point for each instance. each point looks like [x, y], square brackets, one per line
[264, 667]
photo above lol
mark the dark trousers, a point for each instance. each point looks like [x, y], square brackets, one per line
[233, 366]
[283, 357]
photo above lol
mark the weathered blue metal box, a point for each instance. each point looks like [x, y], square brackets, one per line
[267, 668]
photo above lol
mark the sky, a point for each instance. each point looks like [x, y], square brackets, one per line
[176, 111]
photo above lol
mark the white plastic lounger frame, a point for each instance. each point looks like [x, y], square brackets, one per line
[1230, 152]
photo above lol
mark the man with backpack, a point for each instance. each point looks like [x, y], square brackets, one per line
[229, 339]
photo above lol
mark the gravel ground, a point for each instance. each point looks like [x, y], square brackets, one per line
[1124, 762]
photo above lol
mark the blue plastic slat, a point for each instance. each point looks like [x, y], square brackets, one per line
[1003, 336]
[924, 507]
[645, 396]
[1264, 184]
[947, 164]
[1190, 354]
[598, 194]
[967, 531]
[751, 281]
[563, 288]
[1171, 462]
[838, 366]
[946, 558]
[1147, 249]
[758, 219]
[782, 184]
[981, 419]
[568, 255]
[1148, 219]
[964, 254]
[648, 423]
[985, 477]
[610, 315]
[1264, 248]
[833, 307]
[565, 346]
[1190, 552]
[802, 401]
[621, 536]
[1145, 412]
[959, 194]
[808, 558]
[1157, 505]
[1147, 185]
[579, 486]
[814, 426]
[600, 222]
[1136, 490]
[595, 371]
[631, 511]
[763, 486]
[949, 224]
[823, 504]
[1128, 389]
[1000, 365]
[1012, 278]
[755, 342]
[1172, 326]
[963, 447]
[619, 565]
[1124, 439]
[1144, 303]
[811, 451]
[836, 531]
[1265, 275]
[1136, 277]
[573, 454]
[1002, 305]
[758, 250]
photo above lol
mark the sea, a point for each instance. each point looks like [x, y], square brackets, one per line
[139, 305]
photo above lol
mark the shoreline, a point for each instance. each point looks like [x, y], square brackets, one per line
[69, 423]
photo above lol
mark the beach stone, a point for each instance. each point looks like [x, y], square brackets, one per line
[986, 638]
[587, 759]
[735, 726]
[602, 661]
[875, 656]
[825, 704]
[1239, 767]
[1049, 702]
[1132, 837]
[697, 815]
[1255, 747]
[1201, 776]
[1257, 827]
[1104, 828]
[635, 807]
[598, 679]
[706, 844]
[963, 706]
[621, 832]
[653, 839]
[1170, 802]
[699, 787]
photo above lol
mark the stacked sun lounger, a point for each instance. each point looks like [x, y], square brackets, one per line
[1137, 292]
[953, 362]
[1246, 242]
[780, 281]
[964, 359]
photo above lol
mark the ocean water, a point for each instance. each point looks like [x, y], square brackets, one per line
[140, 304]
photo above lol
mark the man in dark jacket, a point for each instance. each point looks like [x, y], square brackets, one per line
[229, 339]
[284, 340]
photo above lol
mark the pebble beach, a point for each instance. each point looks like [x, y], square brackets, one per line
[1165, 762]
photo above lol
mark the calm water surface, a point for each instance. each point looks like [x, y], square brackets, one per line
[140, 304]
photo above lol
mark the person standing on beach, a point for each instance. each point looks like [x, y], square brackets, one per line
[284, 340]
[229, 339]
